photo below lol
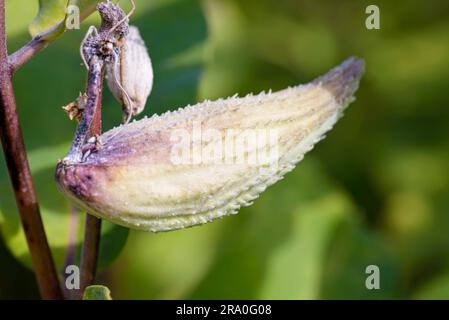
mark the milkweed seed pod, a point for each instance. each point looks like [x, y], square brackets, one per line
[130, 79]
[204, 162]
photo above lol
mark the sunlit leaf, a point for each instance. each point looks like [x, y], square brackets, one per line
[436, 289]
[295, 269]
[50, 21]
[49, 18]
[97, 292]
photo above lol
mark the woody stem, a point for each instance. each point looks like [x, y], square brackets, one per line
[20, 176]
[90, 125]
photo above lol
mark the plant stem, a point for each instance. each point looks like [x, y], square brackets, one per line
[28, 51]
[91, 246]
[92, 232]
[90, 124]
[70, 254]
[19, 173]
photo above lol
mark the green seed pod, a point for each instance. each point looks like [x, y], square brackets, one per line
[130, 78]
[204, 162]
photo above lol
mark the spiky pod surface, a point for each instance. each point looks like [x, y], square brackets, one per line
[188, 167]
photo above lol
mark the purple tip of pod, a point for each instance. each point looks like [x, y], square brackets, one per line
[343, 80]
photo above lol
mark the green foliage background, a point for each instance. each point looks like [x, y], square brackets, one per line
[376, 191]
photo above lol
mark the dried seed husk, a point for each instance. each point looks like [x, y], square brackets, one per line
[131, 78]
[134, 181]
[76, 108]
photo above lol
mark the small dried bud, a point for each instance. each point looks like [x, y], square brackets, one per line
[130, 79]
[204, 162]
[111, 17]
[75, 109]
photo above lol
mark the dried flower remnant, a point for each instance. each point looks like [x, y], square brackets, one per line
[135, 180]
[76, 108]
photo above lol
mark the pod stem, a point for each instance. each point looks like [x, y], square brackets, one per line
[90, 251]
[90, 126]
[20, 175]
[114, 27]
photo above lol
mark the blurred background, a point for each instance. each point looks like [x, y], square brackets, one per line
[375, 191]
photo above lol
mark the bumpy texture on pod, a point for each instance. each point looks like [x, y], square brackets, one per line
[132, 75]
[141, 177]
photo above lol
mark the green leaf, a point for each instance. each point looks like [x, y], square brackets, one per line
[50, 20]
[435, 289]
[97, 292]
[354, 247]
[294, 270]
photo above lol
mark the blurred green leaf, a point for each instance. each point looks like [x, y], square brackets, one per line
[166, 265]
[436, 289]
[354, 248]
[295, 269]
[50, 20]
[97, 292]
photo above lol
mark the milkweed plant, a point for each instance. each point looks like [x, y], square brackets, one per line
[166, 172]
